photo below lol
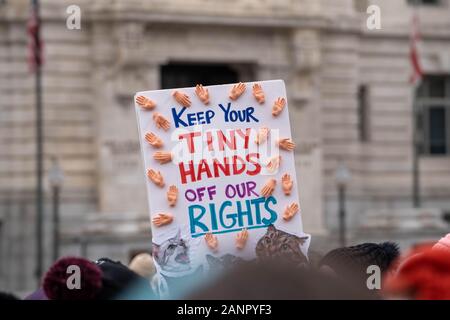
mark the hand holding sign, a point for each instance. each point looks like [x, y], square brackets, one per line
[290, 211]
[153, 140]
[286, 144]
[182, 98]
[145, 103]
[269, 188]
[211, 241]
[161, 121]
[287, 184]
[221, 165]
[263, 133]
[274, 164]
[278, 106]
[241, 239]
[162, 156]
[162, 219]
[237, 91]
[172, 195]
[156, 177]
[202, 94]
[258, 93]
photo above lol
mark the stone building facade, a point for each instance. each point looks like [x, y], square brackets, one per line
[348, 90]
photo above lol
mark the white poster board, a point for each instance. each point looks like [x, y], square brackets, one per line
[219, 170]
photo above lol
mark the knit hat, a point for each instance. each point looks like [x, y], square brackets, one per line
[104, 279]
[443, 244]
[5, 296]
[57, 279]
[143, 265]
[119, 282]
[424, 274]
[348, 260]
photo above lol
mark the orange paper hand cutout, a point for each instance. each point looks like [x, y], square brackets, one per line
[258, 93]
[290, 211]
[162, 157]
[278, 106]
[153, 140]
[161, 121]
[237, 91]
[145, 103]
[241, 239]
[286, 184]
[162, 219]
[211, 241]
[268, 188]
[172, 195]
[202, 94]
[286, 144]
[182, 98]
[155, 177]
[262, 135]
[274, 164]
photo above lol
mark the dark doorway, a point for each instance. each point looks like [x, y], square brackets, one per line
[178, 75]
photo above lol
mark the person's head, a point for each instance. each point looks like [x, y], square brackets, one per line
[143, 265]
[353, 262]
[119, 282]
[5, 296]
[423, 274]
[276, 280]
[74, 278]
[443, 244]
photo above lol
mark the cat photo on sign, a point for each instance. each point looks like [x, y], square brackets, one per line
[220, 176]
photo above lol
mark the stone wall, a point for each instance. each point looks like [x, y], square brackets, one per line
[382, 167]
[321, 49]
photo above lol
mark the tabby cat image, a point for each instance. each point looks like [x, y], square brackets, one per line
[279, 244]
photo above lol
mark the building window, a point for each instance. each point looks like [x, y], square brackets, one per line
[433, 115]
[363, 113]
[424, 2]
[178, 75]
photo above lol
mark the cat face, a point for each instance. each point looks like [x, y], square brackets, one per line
[172, 254]
[279, 244]
[224, 262]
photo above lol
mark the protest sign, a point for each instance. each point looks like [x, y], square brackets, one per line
[220, 175]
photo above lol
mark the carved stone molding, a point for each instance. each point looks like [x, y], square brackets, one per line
[306, 50]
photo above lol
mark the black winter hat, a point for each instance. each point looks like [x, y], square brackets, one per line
[119, 282]
[358, 258]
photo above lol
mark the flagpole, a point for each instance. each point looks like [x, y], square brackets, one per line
[39, 146]
[416, 177]
[415, 139]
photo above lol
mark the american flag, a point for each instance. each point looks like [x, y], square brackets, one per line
[35, 58]
[417, 72]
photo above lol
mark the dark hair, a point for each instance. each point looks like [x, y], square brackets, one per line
[270, 280]
[119, 282]
[352, 262]
[4, 296]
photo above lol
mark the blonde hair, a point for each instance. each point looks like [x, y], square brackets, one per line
[143, 265]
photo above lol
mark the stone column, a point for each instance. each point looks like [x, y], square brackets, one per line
[305, 111]
[121, 69]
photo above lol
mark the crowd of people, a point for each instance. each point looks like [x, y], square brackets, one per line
[422, 272]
